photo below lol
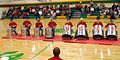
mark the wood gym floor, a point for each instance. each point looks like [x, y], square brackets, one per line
[42, 50]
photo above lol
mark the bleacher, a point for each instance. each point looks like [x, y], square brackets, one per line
[74, 13]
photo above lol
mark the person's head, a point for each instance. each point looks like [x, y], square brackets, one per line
[38, 19]
[113, 3]
[56, 51]
[111, 21]
[98, 18]
[81, 19]
[51, 19]
[26, 19]
[68, 19]
[11, 19]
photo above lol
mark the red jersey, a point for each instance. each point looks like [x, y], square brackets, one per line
[38, 24]
[13, 24]
[83, 23]
[110, 24]
[27, 23]
[52, 24]
[69, 23]
[55, 58]
[98, 23]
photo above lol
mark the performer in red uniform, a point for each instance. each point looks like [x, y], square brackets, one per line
[53, 25]
[98, 34]
[110, 36]
[13, 25]
[69, 23]
[82, 22]
[39, 25]
[56, 52]
[27, 24]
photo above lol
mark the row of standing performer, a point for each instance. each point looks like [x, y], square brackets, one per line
[81, 31]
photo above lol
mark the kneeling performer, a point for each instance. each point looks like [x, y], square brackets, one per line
[38, 28]
[50, 30]
[67, 30]
[13, 26]
[111, 33]
[81, 32]
[98, 33]
[27, 24]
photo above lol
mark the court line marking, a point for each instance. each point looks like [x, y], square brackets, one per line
[41, 51]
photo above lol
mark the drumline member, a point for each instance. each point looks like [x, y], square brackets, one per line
[40, 26]
[99, 24]
[27, 24]
[13, 25]
[67, 30]
[52, 24]
[111, 31]
[82, 22]
[69, 23]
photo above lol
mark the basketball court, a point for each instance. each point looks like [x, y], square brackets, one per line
[42, 50]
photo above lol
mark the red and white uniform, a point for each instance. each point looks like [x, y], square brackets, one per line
[13, 24]
[98, 28]
[110, 24]
[83, 23]
[97, 23]
[69, 23]
[27, 23]
[38, 24]
[52, 24]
